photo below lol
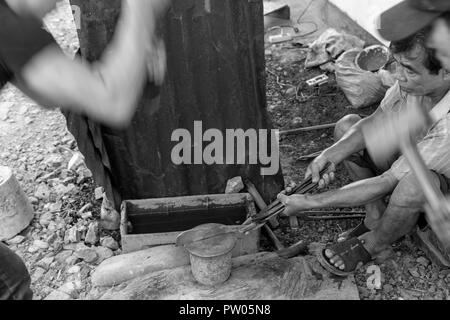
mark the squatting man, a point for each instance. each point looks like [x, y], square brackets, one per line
[106, 91]
[421, 47]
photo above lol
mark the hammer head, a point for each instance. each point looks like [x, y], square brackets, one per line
[385, 134]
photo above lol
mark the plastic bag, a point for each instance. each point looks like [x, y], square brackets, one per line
[362, 88]
[329, 46]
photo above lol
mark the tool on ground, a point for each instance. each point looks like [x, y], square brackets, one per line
[317, 81]
[319, 127]
[286, 253]
[397, 132]
[260, 203]
[276, 207]
[296, 249]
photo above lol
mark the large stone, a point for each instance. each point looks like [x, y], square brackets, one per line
[72, 235]
[45, 262]
[58, 295]
[92, 235]
[43, 192]
[76, 161]
[89, 255]
[54, 160]
[46, 218]
[109, 217]
[63, 255]
[125, 267]
[16, 240]
[110, 243]
[103, 254]
[234, 185]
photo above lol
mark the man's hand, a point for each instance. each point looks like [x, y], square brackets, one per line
[294, 204]
[314, 169]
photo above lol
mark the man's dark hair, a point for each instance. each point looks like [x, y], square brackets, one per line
[419, 39]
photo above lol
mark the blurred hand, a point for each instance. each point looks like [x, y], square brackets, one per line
[157, 61]
[293, 204]
[314, 169]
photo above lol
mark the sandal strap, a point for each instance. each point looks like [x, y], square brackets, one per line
[352, 252]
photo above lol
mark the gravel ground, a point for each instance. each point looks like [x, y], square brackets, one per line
[64, 200]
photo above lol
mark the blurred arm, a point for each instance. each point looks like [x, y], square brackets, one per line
[108, 90]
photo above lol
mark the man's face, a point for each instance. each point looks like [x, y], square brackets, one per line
[413, 77]
[440, 40]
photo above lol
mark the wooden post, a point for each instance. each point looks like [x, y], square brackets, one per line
[216, 75]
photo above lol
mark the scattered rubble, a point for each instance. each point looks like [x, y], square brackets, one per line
[234, 185]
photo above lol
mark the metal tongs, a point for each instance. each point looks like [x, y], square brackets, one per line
[276, 207]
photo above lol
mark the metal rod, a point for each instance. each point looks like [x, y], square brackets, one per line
[319, 127]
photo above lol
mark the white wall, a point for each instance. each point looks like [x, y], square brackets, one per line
[365, 12]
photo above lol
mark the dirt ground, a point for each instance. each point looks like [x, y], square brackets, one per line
[35, 143]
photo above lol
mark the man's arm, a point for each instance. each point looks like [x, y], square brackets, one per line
[352, 142]
[108, 90]
[355, 194]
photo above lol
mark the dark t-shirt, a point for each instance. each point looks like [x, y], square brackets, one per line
[20, 39]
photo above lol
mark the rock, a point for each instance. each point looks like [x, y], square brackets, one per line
[55, 161]
[291, 92]
[118, 269]
[83, 175]
[109, 217]
[72, 235]
[46, 218]
[414, 273]
[33, 249]
[72, 260]
[86, 215]
[88, 255]
[110, 243]
[76, 161]
[16, 240]
[40, 244]
[57, 245]
[297, 121]
[52, 227]
[92, 236]
[388, 288]
[45, 262]
[42, 192]
[73, 270]
[103, 254]
[58, 295]
[63, 255]
[55, 207]
[99, 192]
[62, 190]
[33, 200]
[234, 185]
[37, 274]
[423, 261]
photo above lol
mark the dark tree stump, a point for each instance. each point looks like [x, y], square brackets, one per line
[216, 74]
